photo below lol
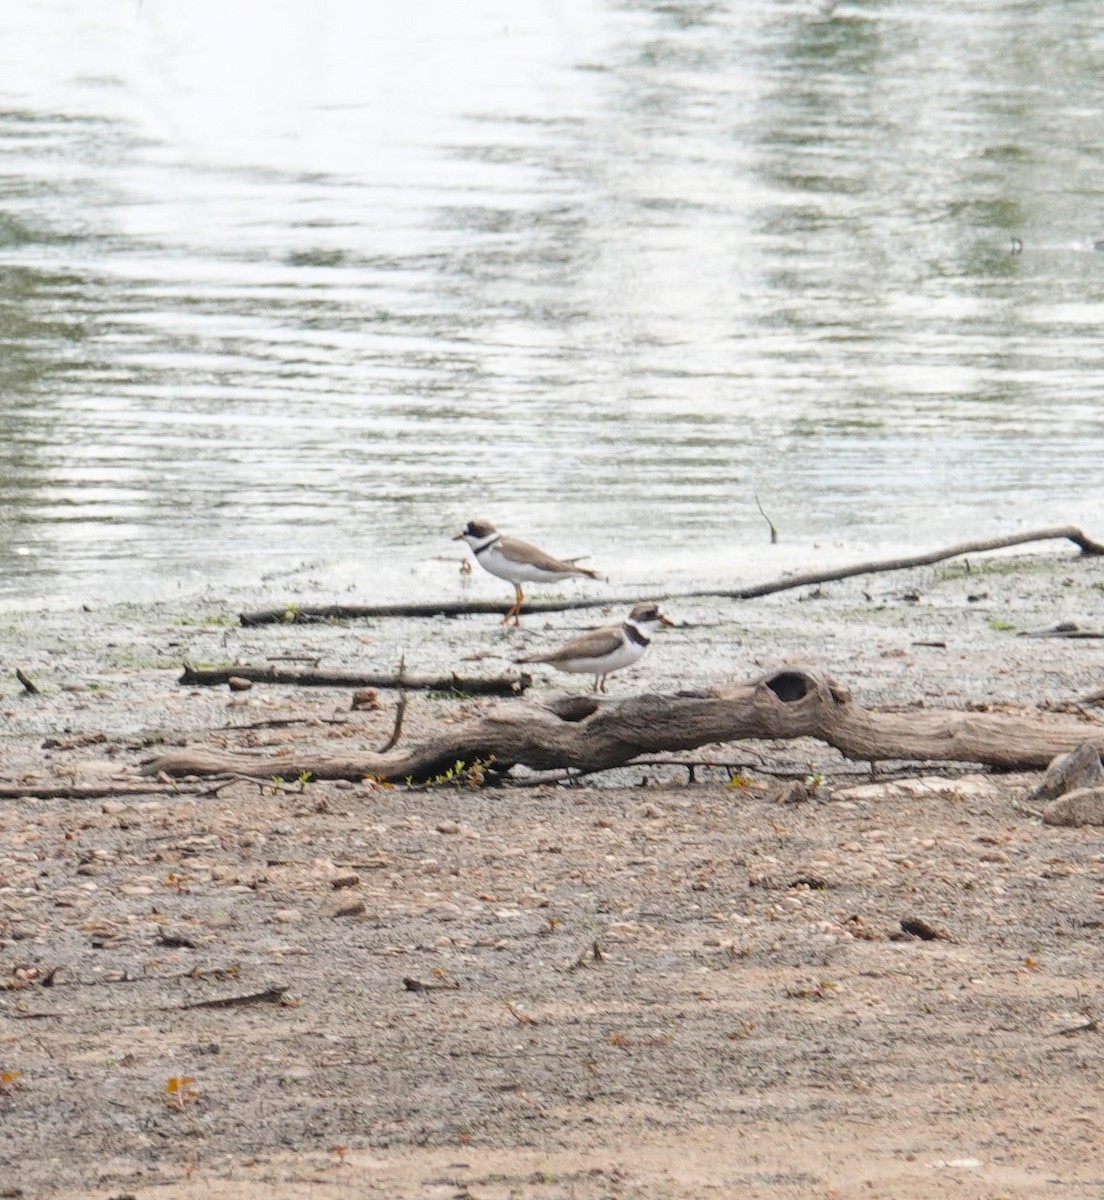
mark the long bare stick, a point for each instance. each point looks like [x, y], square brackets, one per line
[1066, 532]
[469, 608]
[502, 685]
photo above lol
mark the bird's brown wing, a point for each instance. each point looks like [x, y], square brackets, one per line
[587, 645]
[519, 551]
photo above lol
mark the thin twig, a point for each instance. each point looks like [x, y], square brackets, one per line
[271, 995]
[396, 732]
[770, 523]
[279, 723]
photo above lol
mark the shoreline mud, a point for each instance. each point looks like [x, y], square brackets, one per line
[632, 986]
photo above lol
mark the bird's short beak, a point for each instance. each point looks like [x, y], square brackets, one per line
[665, 620]
[458, 538]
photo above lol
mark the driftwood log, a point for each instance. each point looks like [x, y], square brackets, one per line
[592, 734]
[336, 612]
[500, 685]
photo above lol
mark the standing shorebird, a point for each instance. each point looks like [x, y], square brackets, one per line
[516, 561]
[602, 651]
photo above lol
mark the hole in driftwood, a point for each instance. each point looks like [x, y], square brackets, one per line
[574, 708]
[789, 686]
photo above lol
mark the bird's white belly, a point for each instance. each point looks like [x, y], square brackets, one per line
[498, 564]
[624, 656]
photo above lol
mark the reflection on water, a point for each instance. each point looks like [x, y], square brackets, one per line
[293, 284]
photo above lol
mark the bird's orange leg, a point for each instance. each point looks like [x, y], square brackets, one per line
[515, 610]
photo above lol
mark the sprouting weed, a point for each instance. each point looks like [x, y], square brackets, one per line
[461, 773]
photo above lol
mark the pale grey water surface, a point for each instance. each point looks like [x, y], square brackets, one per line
[290, 291]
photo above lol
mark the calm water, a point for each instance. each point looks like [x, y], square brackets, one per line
[289, 292]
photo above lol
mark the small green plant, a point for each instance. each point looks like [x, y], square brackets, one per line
[461, 773]
[1001, 625]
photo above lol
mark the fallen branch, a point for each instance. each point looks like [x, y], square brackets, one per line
[502, 685]
[62, 791]
[271, 995]
[307, 614]
[591, 734]
[339, 612]
[1066, 630]
[1062, 533]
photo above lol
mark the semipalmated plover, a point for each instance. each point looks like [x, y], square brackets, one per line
[608, 649]
[516, 561]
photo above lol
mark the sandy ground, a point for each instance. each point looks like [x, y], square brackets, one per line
[640, 987]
